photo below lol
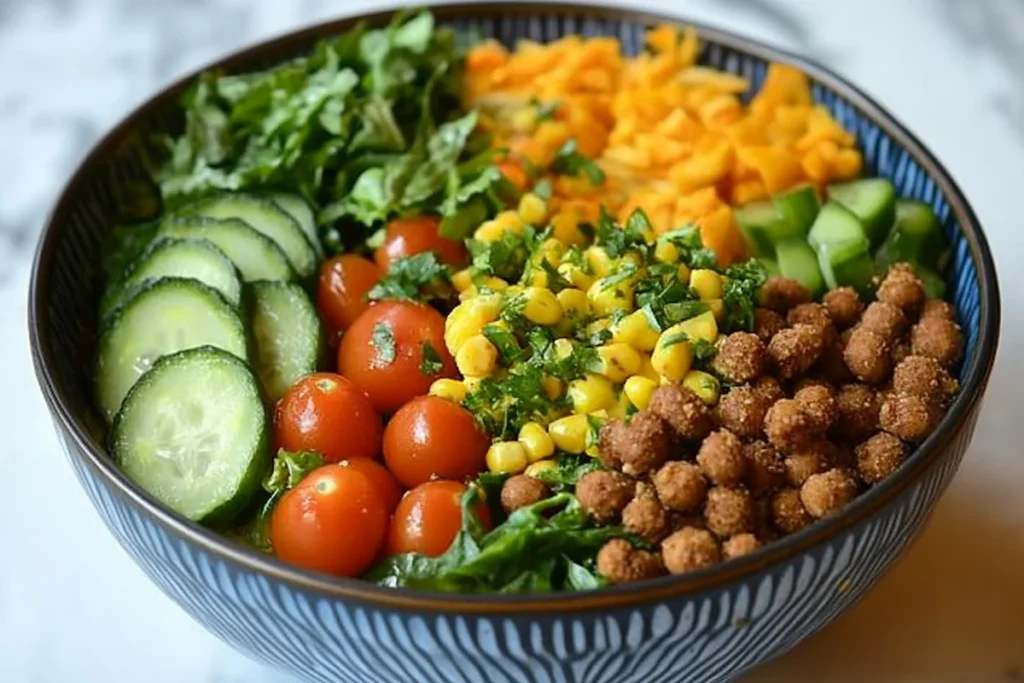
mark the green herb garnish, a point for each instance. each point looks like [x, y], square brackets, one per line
[383, 340]
[431, 362]
[414, 277]
[569, 161]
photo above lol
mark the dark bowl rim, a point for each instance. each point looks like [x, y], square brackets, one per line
[659, 589]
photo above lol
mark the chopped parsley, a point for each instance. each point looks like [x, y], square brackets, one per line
[508, 346]
[556, 281]
[625, 272]
[673, 339]
[431, 362]
[415, 277]
[569, 161]
[504, 258]
[383, 340]
[545, 111]
[543, 189]
[692, 251]
[739, 294]
[703, 351]
[617, 240]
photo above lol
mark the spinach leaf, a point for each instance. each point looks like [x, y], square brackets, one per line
[288, 469]
[416, 278]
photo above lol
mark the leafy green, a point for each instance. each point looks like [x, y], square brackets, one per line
[692, 251]
[568, 470]
[508, 347]
[739, 294]
[569, 161]
[617, 240]
[506, 257]
[432, 362]
[417, 277]
[288, 469]
[383, 341]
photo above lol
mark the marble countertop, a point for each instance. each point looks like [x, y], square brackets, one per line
[75, 609]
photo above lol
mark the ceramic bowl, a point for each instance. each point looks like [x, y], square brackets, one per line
[708, 626]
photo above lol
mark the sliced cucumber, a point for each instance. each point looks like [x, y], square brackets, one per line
[771, 266]
[873, 201]
[289, 339]
[171, 257]
[193, 434]
[257, 256]
[798, 207]
[265, 217]
[917, 237]
[933, 283]
[844, 253]
[755, 222]
[798, 261]
[163, 317]
[296, 207]
[835, 224]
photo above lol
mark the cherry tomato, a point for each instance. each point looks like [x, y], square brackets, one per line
[432, 438]
[513, 170]
[334, 521]
[344, 282]
[383, 353]
[410, 236]
[389, 490]
[327, 413]
[429, 517]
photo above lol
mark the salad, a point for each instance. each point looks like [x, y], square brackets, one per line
[438, 314]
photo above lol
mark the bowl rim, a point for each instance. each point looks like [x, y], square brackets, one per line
[240, 559]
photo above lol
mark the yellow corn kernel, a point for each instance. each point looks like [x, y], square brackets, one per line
[551, 250]
[666, 252]
[537, 468]
[648, 371]
[524, 120]
[598, 260]
[574, 302]
[552, 387]
[461, 328]
[576, 276]
[563, 348]
[514, 290]
[673, 355]
[532, 209]
[566, 228]
[507, 457]
[509, 220]
[631, 257]
[704, 385]
[570, 433]
[591, 393]
[619, 361]
[707, 283]
[620, 410]
[635, 329]
[486, 307]
[536, 442]
[683, 273]
[489, 231]
[638, 390]
[462, 280]
[591, 444]
[717, 307]
[535, 277]
[472, 383]
[542, 306]
[450, 389]
[606, 298]
[477, 357]
[701, 326]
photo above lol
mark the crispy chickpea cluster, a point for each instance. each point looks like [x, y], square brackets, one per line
[823, 401]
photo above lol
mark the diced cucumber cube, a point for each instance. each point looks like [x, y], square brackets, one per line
[873, 201]
[798, 261]
[917, 237]
[798, 208]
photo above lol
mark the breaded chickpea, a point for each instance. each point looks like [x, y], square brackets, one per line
[902, 288]
[781, 294]
[690, 549]
[741, 358]
[828, 492]
[766, 468]
[908, 416]
[680, 485]
[521, 491]
[867, 356]
[641, 445]
[787, 426]
[844, 305]
[740, 545]
[811, 459]
[603, 494]
[815, 315]
[721, 458]
[742, 411]
[794, 350]
[831, 365]
[884, 319]
[680, 520]
[729, 511]
[684, 411]
[900, 350]
[767, 323]
[938, 308]
[619, 562]
[819, 402]
[923, 376]
[788, 512]
[646, 518]
[768, 388]
[857, 411]
[879, 456]
[937, 338]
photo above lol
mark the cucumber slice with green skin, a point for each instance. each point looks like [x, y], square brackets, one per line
[257, 256]
[265, 217]
[754, 221]
[835, 224]
[170, 257]
[163, 317]
[798, 261]
[771, 266]
[917, 237]
[873, 201]
[847, 264]
[296, 207]
[288, 335]
[798, 207]
[193, 434]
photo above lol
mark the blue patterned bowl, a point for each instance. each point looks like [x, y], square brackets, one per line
[708, 626]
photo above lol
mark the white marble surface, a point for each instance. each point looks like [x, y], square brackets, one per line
[73, 607]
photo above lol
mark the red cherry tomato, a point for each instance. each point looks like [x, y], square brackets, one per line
[383, 353]
[431, 438]
[344, 282]
[334, 521]
[389, 490]
[327, 413]
[410, 236]
[429, 517]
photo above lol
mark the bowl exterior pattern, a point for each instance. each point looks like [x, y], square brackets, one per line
[713, 634]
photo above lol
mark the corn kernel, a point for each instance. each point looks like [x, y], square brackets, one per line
[509, 221]
[707, 283]
[507, 457]
[461, 327]
[563, 348]
[542, 306]
[683, 273]
[570, 433]
[532, 209]
[536, 441]
[535, 277]
[566, 228]
[702, 326]
[648, 371]
[552, 387]
[598, 260]
[591, 393]
[551, 250]
[489, 231]
[450, 389]
[636, 330]
[631, 257]
[673, 355]
[537, 468]
[576, 276]
[620, 410]
[478, 357]
[472, 383]
[619, 361]
[574, 302]
[638, 390]
[704, 385]
[717, 307]
[606, 298]
[666, 252]
[524, 120]
[462, 280]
